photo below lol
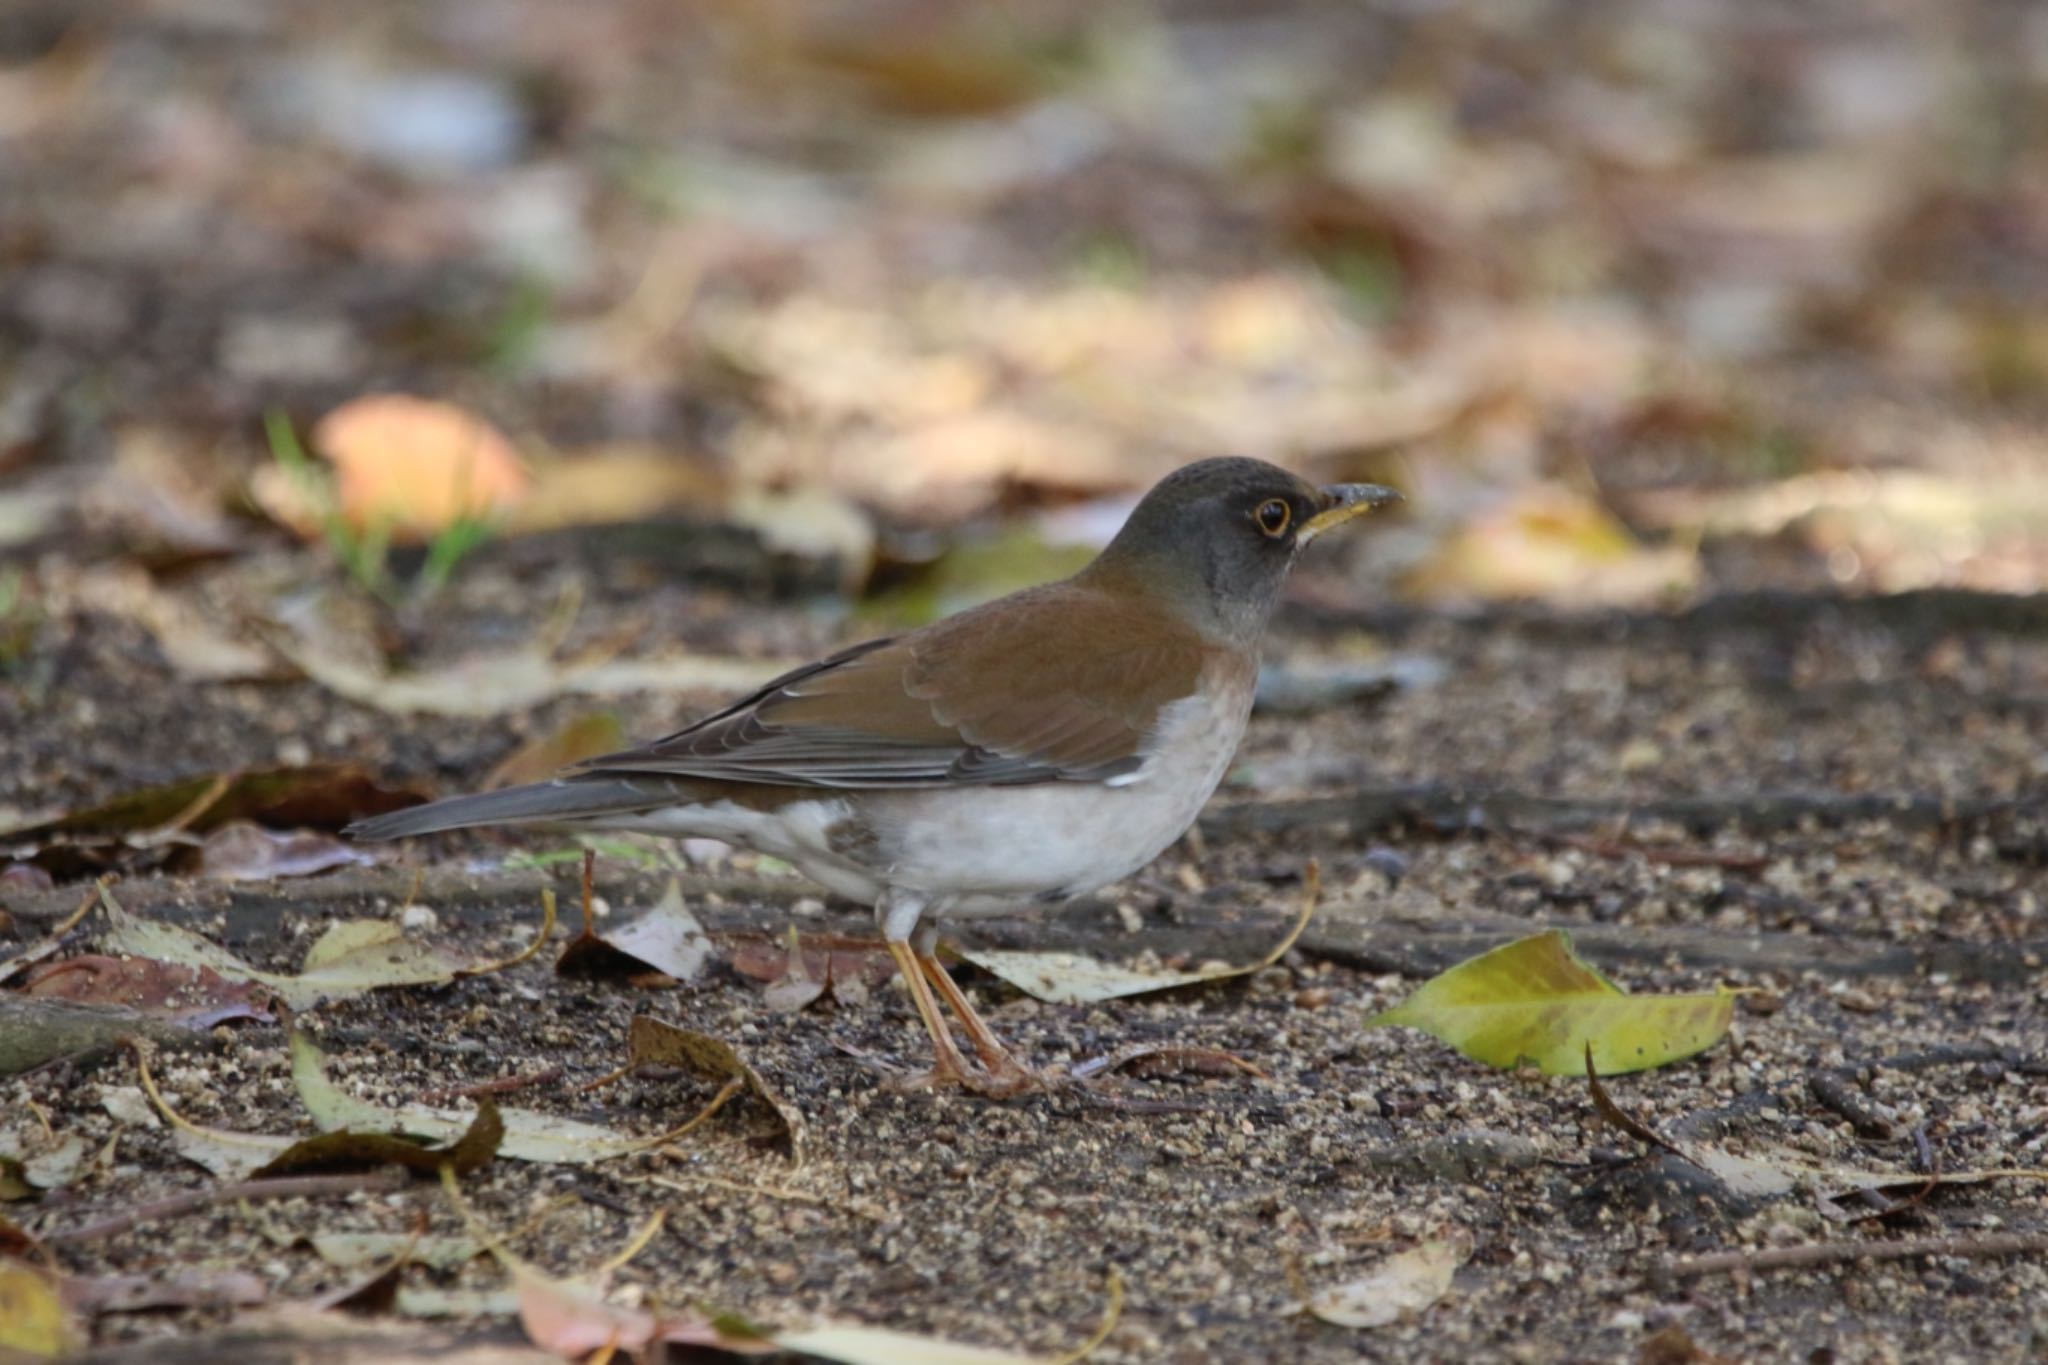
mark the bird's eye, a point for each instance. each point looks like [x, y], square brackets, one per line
[1274, 516]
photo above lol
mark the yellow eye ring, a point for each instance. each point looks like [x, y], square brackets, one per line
[1273, 517]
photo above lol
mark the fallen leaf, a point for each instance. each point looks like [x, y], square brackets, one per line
[417, 466]
[1073, 979]
[345, 1150]
[240, 851]
[1399, 1287]
[320, 795]
[1536, 1000]
[848, 966]
[586, 736]
[652, 1041]
[1550, 542]
[491, 684]
[33, 1319]
[528, 1136]
[44, 1161]
[350, 959]
[197, 997]
[572, 1318]
[667, 938]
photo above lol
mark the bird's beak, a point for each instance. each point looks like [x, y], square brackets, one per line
[1342, 502]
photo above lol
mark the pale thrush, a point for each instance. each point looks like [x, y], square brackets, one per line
[1015, 755]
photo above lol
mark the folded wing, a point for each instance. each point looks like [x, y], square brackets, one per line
[1061, 684]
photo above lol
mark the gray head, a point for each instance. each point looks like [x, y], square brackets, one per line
[1215, 539]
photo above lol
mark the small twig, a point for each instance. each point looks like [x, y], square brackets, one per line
[504, 1085]
[1834, 1091]
[279, 1187]
[1834, 1253]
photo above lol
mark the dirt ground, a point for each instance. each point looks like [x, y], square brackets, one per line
[1705, 339]
[1218, 1198]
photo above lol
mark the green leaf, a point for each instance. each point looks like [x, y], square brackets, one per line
[1536, 1000]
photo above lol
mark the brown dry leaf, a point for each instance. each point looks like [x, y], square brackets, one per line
[241, 851]
[667, 939]
[355, 1151]
[417, 466]
[197, 997]
[585, 736]
[650, 1041]
[1550, 542]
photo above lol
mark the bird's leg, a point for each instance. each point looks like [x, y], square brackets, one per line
[898, 914]
[1007, 1075]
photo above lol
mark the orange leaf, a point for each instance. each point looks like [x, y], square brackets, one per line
[419, 465]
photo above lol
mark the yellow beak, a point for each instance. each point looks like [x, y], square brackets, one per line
[1342, 502]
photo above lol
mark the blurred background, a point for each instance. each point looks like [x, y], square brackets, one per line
[1639, 300]
[336, 338]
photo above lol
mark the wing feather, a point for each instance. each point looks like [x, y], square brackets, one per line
[966, 702]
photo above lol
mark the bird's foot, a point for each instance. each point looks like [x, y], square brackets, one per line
[1005, 1084]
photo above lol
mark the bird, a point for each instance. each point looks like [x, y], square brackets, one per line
[1006, 758]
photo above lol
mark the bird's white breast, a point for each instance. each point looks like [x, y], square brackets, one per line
[984, 849]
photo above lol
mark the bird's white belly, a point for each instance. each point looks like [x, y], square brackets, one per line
[984, 849]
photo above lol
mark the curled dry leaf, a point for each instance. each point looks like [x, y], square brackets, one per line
[355, 1151]
[1401, 1286]
[1536, 1000]
[667, 939]
[650, 1041]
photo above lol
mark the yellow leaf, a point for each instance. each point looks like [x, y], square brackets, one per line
[1536, 1000]
[33, 1323]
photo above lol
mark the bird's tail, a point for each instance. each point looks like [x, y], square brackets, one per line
[565, 800]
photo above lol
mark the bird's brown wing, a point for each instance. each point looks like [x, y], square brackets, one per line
[1060, 683]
